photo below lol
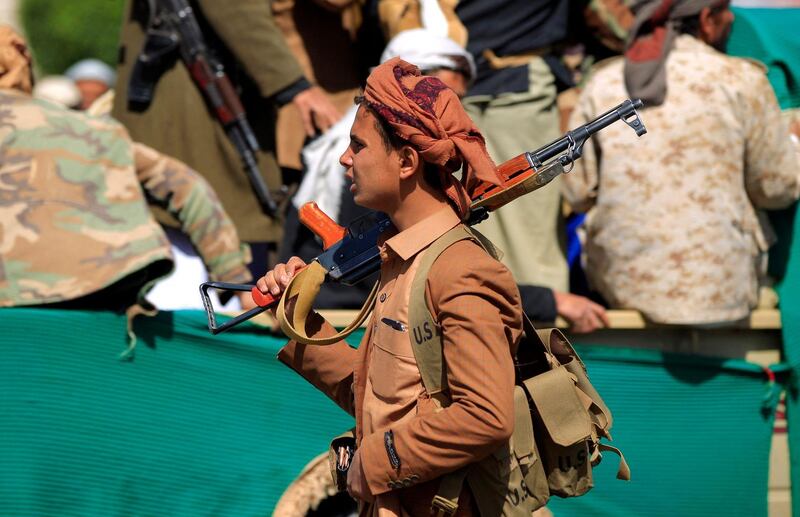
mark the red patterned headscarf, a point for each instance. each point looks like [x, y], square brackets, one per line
[650, 41]
[429, 116]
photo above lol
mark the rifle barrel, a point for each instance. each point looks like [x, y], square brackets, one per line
[578, 136]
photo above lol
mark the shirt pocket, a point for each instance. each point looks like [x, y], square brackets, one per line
[393, 370]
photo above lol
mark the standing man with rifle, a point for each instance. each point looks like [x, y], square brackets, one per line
[202, 81]
[409, 138]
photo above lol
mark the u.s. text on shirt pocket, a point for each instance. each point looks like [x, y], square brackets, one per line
[393, 370]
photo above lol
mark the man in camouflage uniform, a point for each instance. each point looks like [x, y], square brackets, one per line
[75, 229]
[672, 228]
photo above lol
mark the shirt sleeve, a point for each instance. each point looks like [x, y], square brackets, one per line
[772, 174]
[538, 302]
[249, 31]
[329, 368]
[580, 185]
[187, 196]
[477, 305]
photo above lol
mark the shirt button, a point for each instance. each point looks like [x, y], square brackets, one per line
[383, 297]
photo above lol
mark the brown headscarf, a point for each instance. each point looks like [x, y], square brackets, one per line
[429, 116]
[650, 41]
[15, 61]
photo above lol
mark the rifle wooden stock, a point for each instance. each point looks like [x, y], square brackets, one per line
[519, 178]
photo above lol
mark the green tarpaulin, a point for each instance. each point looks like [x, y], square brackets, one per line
[770, 35]
[199, 425]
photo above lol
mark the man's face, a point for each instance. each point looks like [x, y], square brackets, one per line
[90, 91]
[454, 80]
[373, 170]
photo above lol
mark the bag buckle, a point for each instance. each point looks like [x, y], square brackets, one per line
[441, 507]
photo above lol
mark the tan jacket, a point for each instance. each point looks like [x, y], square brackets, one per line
[478, 308]
[672, 228]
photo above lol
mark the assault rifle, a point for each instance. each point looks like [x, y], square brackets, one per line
[173, 27]
[351, 254]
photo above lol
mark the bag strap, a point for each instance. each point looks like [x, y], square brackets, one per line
[305, 286]
[624, 471]
[445, 502]
[425, 336]
[427, 346]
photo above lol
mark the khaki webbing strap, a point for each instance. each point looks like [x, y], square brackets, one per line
[305, 286]
[485, 243]
[523, 441]
[624, 471]
[446, 501]
[426, 340]
[533, 334]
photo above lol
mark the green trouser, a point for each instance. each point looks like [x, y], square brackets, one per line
[529, 230]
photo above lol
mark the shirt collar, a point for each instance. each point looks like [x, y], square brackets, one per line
[414, 239]
[690, 43]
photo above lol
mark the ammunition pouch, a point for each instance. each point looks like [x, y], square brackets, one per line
[559, 417]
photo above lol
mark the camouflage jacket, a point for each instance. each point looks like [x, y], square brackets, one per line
[672, 228]
[73, 213]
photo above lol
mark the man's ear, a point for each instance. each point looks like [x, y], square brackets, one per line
[707, 25]
[410, 161]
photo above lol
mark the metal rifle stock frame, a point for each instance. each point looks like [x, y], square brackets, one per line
[351, 254]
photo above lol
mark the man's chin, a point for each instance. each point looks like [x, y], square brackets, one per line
[364, 202]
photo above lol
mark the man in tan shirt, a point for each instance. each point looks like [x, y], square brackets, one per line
[409, 135]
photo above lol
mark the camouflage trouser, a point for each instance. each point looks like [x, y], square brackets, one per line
[530, 230]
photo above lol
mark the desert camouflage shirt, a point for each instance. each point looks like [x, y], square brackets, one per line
[672, 228]
[73, 213]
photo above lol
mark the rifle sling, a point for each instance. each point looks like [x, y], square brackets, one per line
[305, 286]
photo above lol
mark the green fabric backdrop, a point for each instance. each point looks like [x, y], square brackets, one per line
[199, 425]
[789, 291]
[770, 35]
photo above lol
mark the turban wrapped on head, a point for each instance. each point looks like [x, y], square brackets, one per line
[15, 61]
[649, 42]
[428, 115]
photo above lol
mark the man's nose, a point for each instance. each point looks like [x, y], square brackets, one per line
[346, 160]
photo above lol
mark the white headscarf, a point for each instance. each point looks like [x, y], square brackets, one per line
[429, 50]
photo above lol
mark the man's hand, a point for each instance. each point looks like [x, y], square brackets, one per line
[276, 281]
[356, 482]
[583, 314]
[316, 110]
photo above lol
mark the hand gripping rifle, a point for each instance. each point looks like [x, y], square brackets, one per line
[173, 27]
[351, 254]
